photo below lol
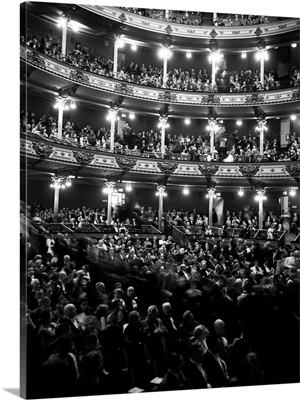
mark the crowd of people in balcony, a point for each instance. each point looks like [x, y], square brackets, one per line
[107, 315]
[152, 76]
[228, 147]
[192, 222]
[196, 17]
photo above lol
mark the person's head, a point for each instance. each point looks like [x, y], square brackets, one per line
[200, 333]
[45, 302]
[134, 318]
[70, 311]
[91, 342]
[130, 291]
[91, 323]
[167, 309]
[35, 284]
[152, 311]
[219, 327]
[100, 287]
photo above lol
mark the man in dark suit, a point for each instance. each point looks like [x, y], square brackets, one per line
[214, 366]
[167, 319]
[193, 369]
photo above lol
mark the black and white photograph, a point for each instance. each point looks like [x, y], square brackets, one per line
[159, 200]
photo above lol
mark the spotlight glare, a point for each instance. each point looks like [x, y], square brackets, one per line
[294, 45]
[293, 117]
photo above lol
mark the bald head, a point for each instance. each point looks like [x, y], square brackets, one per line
[70, 311]
[219, 327]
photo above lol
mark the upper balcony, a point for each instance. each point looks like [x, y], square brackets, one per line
[194, 31]
[44, 65]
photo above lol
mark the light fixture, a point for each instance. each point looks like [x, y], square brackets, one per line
[239, 122]
[128, 187]
[131, 115]
[189, 54]
[260, 195]
[164, 51]
[293, 117]
[262, 53]
[68, 182]
[215, 55]
[59, 183]
[64, 103]
[244, 54]
[241, 192]
[294, 45]
[133, 47]
[112, 115]
[186, 190]
[293, 192]
[187, 121]
[120, 42]
[67, 21]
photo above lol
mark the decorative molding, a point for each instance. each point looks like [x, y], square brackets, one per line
[126, 164]
[167, 96]
[35, 58]
[210, 99]
[168, 29]
[296, 94]
[255, 99]
[83, 158]
[42, 150]
[293, 169]
[79, 76]
[249, 170]
[208, 170]
[122, 18]
[123, 89]
[167, 168]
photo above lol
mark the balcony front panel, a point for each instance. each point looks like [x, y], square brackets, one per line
[36, 148]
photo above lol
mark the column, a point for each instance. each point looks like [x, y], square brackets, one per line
[56, 202]
[115, 65]
[213, 65]
[161, 193]
[211, 195]
[262, 66]
[260, 195]
[113, 116]
[110, 188]
[163, 122]
[166, 50]
[64, 25]
[212, 124]
[60, 119]
[215, 16]
[166, 14]
[261, 126]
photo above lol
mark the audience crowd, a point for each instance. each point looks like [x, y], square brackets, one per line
[196, 18]
[121, 313]
[122, 220]
[152, 76]
[228, 146]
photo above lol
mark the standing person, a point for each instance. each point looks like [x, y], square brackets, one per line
[127, 135]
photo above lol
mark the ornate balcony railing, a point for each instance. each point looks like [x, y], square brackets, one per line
[192, 31]
[38, 148]
[99, 82]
